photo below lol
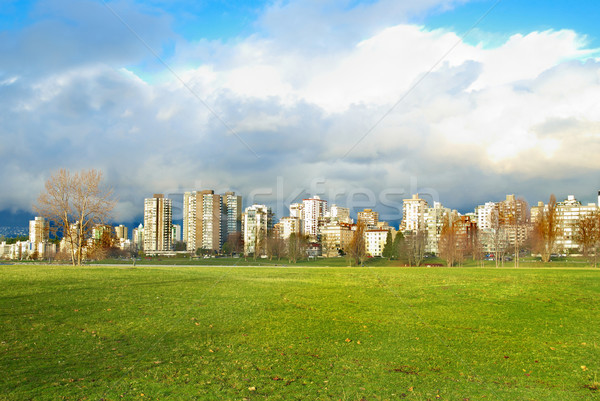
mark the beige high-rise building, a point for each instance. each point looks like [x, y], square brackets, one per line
[202, 220]
[341, 214]
[289, 225]
[368, 217]
[39, 230]
[157, 223]
[297, 210]
[513, 216]
[121, 232]
[335, 238]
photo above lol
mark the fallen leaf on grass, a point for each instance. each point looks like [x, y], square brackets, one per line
[252, 388]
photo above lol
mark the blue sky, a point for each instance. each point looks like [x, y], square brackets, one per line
[350, 100]
[510, 17]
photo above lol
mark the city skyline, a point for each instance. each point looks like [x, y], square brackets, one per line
[471, 100]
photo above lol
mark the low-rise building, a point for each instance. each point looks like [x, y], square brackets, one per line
[375, 240]
[335, 238]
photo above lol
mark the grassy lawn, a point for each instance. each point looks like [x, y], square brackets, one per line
[567, 262]
[207, 332]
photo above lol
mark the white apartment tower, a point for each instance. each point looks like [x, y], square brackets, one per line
[486, 214]
[435, 217]
[413, 214]
[157, 223]
[314, 210]
[257, 222]
[137, 237]
[568, 214]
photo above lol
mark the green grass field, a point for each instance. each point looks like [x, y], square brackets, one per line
[533, 262]
[206, 332]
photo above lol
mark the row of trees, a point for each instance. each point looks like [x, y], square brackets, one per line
[512, 232]
[270, 245]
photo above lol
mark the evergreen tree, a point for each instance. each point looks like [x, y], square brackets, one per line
[388, 248]
[398, 241]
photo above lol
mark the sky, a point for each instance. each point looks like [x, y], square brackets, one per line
[360, 102]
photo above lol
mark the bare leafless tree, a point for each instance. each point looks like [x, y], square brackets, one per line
[296, 247]
[448, 243]
[515, 218]
[546, 230]
[499, 236]
[478, 251]
[74, 204]
[234, 243]
[413, 247]
[275, 246]
[588, 236]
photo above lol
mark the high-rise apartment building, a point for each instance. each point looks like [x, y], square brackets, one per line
[568, 213]
[157, 223]
[486, 215]
[257, 223]
[297, 210]
[202, 220]
[176, 233]
[513, 216]
[39, 230]
[368, 217]
[233, 213]
[435, 218]
[314, 210]
[341, 214]
[121, 232]
[413, 214]
[288, 226]
[137, 237]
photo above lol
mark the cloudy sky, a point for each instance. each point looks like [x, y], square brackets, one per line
[361, 102]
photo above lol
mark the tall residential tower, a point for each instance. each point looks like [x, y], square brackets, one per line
[157, 223]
